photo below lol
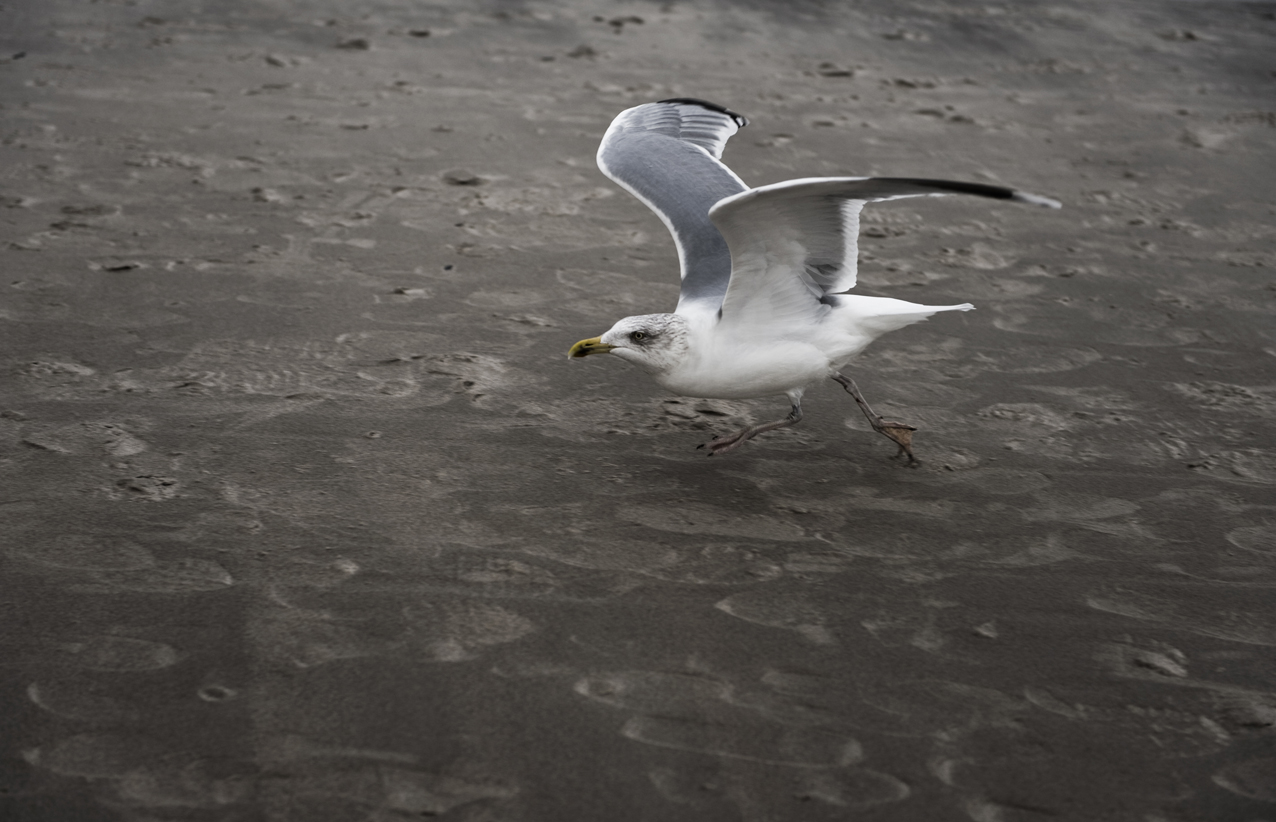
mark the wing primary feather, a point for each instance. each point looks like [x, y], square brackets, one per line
[740, 120]
[798, 240]
[667, 154]
[977, 189]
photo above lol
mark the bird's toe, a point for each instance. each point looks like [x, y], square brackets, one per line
[721, 445]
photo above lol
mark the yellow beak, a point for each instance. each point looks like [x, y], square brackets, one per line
[593, 345]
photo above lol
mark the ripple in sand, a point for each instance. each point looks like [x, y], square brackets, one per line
[693, 518]
[711, 564]
[1003, 481]
[180, 576]
[1253, 778]
[330, 783]
[94, 755]
[719, 564]
[839, 699]
[1259, 539]
[668, 694]
[120, 653]
[85, 552]
[1251, 465]
[73, 699]
[951, 359]
[282, 369]
[207, 782]
[773, 610]
[1165, 733]
[110, 438]
[1139, 329]
[771, 744]
[698, 712]
[457, 631]
[307, 641]
[1244, 617]
[852, 788]
[469, 573]
[608, 555]
[1221, 396]
[1019, 553]
[936, 706]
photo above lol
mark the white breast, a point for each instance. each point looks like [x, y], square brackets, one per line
[742, 371]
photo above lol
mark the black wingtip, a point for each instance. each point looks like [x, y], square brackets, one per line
[740, 119]
[982, 190]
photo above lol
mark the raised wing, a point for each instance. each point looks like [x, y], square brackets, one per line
[667, 155]
[795, 243]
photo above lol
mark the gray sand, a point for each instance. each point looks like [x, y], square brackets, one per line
[308, 517]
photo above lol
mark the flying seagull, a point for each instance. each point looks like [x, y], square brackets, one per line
[764, 307]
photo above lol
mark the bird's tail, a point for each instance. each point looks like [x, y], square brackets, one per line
[875, 316]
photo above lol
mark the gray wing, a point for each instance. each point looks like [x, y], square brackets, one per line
[806, 231]
[667, 154]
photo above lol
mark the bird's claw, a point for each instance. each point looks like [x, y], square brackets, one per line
[900, 434]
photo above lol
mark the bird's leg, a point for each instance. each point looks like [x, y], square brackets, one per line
[896, 432]
[721, 445]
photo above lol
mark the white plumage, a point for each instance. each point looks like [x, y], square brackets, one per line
[763, 308]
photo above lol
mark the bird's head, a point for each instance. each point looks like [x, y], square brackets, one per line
[654, 342]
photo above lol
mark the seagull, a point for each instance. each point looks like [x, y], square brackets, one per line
[763, 308]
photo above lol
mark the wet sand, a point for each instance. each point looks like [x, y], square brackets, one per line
[308, 517]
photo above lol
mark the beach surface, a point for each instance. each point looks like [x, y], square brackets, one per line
[307, 516]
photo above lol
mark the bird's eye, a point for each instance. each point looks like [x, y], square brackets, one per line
[638, 336]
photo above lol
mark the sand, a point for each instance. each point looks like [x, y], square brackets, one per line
[307, 516]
